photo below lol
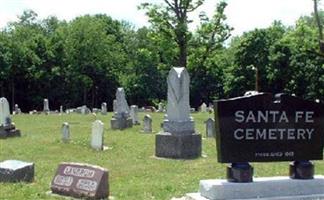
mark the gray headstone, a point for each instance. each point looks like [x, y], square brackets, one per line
[178, 138]
[121, 105]
[97, 136]
[17, 109]
[203, 107]
[4, 111]
[178, 108]
[65, 132]
[178, 119]
[134, 114]
[114, 105]
[15, 171]
[104, 108]
[61, 109]
[46, 106]
[160, 107]
[121, 119]
[210, 127]
[147, 124]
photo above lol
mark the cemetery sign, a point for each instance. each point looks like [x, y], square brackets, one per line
[263, 128]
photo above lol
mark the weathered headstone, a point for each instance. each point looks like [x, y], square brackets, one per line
[210, 127]
[104, 108]
[81, 181]
[147, 124]
[61, 110]
[65, 132]
[203, 107]
[178, 138]
[160, 107]
[16, 171]
[46, 106]
[134, 114]
[97, 136]
[121, 118]
[16, 110]
[7, 128]
[115, 105]
[85, 110]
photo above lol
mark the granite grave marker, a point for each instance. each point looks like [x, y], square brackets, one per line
[81, 181]
[178, 138]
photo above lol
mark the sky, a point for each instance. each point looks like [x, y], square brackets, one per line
[243, 15]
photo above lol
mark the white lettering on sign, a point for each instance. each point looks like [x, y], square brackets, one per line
[273, 116]
[63, 180]
[273, 134]
[79, 172]
[88, 185]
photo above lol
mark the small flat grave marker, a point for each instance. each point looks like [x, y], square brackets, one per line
[81, 181]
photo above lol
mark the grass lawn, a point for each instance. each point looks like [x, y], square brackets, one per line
[134, 173]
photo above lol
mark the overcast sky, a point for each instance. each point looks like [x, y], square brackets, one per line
[243, 15]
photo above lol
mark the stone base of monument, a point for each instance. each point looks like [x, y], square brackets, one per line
[271, 188]
[9, 131]
[16, 171]
[177, 146]
[121, 123]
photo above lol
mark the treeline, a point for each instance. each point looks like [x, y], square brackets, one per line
[83, 61]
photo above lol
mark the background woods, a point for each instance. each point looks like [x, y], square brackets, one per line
[83, 61]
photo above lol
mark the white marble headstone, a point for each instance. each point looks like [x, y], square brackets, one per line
[203, 107]
[65, 132]
[160, 107]
[134, 114]
[46, 106]
[147, 124]
[178, 108]
[104, 108]
[61, 109]
[97, 137]
[4, 111]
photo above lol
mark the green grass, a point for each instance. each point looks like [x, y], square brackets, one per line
[134, 173]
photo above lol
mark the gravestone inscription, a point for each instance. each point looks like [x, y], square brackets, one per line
[81, 181]
[263, 128]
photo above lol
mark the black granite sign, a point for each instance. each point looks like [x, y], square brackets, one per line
[81, 181]
[264, 128]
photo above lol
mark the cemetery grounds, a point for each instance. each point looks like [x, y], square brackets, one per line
[134, 172]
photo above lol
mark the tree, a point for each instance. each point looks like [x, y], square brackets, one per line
[319, 26]
[205, 56]
[172, 20]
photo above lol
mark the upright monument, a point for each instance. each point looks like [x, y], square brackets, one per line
[121, 118]
[178, 138]
[7, 128]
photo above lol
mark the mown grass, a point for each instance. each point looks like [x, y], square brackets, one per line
[134, 171]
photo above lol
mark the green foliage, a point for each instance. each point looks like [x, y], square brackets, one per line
[83, 61]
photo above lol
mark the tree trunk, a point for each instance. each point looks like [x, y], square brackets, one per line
[84, 96]
[183, 55]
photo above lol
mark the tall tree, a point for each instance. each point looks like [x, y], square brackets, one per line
[172, 20]
[319, 26]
